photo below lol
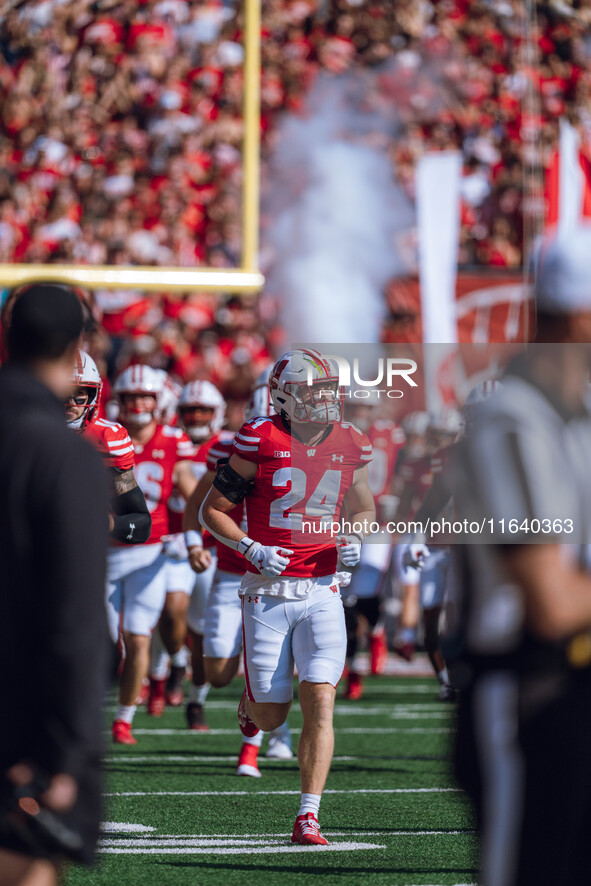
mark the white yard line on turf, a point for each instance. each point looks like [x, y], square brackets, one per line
[239, 838]
[343, 730]
[277, 793]
[235, 850]
[223, 758]
[340, 708]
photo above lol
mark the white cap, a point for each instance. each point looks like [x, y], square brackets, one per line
[562, 283]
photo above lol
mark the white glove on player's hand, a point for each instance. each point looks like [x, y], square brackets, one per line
[269, 560]
[415, 556]
[349, 548]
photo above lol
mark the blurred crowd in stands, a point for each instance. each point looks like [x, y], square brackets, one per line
[120, 136]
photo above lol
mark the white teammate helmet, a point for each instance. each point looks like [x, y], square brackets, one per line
[415, 424]
[446, 421]
[86, 375]
[138, 379]
[479, 393]
[168, 399]
[305, 387]
[201, 393]
[260, 396]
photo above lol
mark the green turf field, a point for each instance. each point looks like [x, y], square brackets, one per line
[178, 816]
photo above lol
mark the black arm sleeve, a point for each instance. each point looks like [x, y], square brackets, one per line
[229, 482]
[132, 520]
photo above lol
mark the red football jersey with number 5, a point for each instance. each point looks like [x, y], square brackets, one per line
[299, 488]
[154, 470]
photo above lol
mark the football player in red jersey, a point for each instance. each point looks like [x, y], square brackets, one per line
[201, 409]
[295, 470]
[129, 521]
[222, 640]
[137, 574]
[438, 578]
[362, 598]
[435, 577]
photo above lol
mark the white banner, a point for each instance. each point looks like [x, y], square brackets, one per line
[438, 222]
[571, 181]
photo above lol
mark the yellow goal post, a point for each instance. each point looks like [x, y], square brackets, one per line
[246, 279]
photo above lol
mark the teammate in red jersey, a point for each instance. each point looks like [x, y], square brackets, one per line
[201, 410]
[296, 472]
[222, 641]
[436, 573]
[137, 574]
[362, 598]
[129, 521]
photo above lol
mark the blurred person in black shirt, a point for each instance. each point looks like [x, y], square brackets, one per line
[524, 720]
[53, 636]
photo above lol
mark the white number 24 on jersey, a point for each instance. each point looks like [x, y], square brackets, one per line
[321, 503]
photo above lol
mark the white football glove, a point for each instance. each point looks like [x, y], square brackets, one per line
[415, 556]
[268, 559]
[349, 549]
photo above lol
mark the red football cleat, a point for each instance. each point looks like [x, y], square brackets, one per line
[121, 732]
[248, 761]
[354, 689]
[247, 727]
[306, 830]
[174, 687]
[378, 652]
[156, 699]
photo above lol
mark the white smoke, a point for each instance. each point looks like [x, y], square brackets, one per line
[334, 209]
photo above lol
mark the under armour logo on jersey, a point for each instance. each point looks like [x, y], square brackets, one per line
[311, 452]
[338, 457]
[281, 453]
[253, 599]
[158, 453]
[131, 528]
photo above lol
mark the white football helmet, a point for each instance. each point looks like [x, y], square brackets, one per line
[479, 393]
[86, 375]
[260, 396]
[138, 379]
[446, 421]
[168, 399]
[305, 387]
[415, 423]
[202, 393]
[482, 391]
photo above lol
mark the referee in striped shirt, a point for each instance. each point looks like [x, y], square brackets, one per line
[523, 749]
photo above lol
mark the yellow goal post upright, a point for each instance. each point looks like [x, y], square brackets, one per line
[246, 279]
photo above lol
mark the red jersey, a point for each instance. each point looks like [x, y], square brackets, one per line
[417, 474]
[299, 488]
[387, 439]
[229, 560]
[113, 443]
[176, 502]
[441, 460]
[154, 470]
